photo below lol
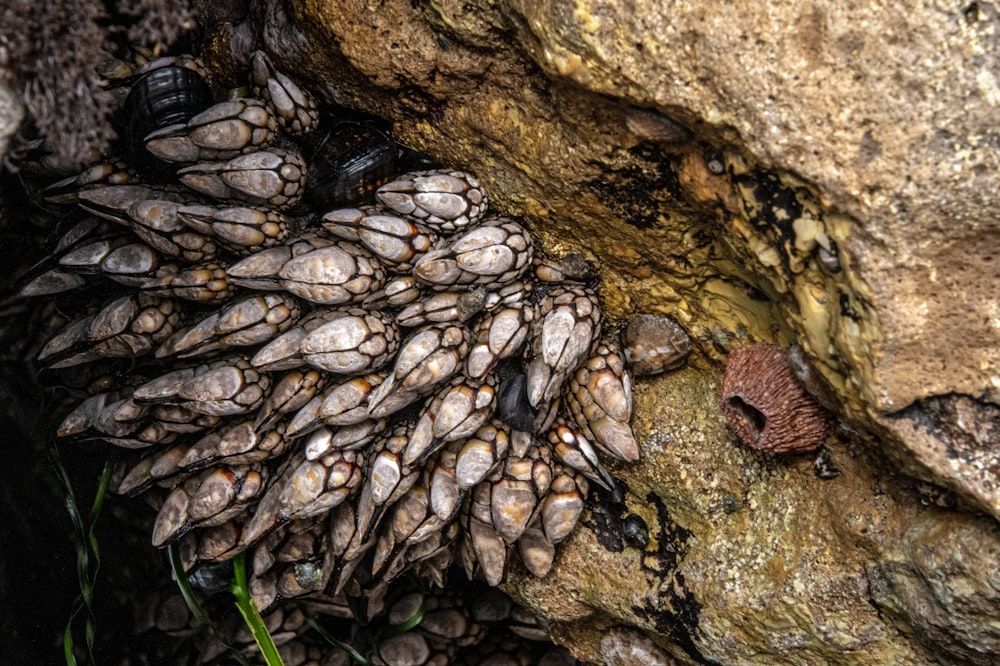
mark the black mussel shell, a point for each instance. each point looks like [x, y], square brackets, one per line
[351, 162]
[163, 97]
[513, 407]
[212, 577]
[635, 531]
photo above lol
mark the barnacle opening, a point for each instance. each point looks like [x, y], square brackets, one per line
[748, 413]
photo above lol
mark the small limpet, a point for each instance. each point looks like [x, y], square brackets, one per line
[655, 344]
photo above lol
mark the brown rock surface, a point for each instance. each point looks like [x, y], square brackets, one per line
[837, 186]
[755, 560]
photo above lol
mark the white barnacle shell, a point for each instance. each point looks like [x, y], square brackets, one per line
[428, 357]
[249, 321]
[574, 450]
[599, 396]
[242, 230]
[226, 390]
[563, 505]
[338, 273]
[456, 412]
[126, 327]
[497, 252]
[566, 325]
[261, 269]
[537, 552]
[397, 292]
[443, 306]
[347, 403]
[282, 353]
[521, 485]
[316, 486]
[395, 240]
[351, 342]
[290, 393]
[275, 177]
[497, 336]
[446, 200]
[481, 453]
[483, 544]
[220, 132]
[294, 107]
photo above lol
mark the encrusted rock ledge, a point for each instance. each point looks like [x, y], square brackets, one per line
[790, 174]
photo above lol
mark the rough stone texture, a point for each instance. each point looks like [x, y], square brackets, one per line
[893, 114]
[838, 188]
[11, 114]
[755, 560]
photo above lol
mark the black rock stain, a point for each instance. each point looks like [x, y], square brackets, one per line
[774, 207]
[641, 194]
[680, 622]
[607, 521]
[779, 205]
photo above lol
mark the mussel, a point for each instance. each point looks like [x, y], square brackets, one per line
[165, 96]
[352, 161]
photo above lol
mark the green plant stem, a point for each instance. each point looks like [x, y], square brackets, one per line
[356, 656]
[251, 616]
[194, 605]
[184, 585]
[88, 555]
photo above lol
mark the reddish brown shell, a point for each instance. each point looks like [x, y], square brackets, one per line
[767, 406]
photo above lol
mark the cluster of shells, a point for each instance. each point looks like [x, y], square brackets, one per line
[472, 626]
[346, 395]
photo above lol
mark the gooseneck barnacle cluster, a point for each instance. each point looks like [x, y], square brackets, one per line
[393, 383]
